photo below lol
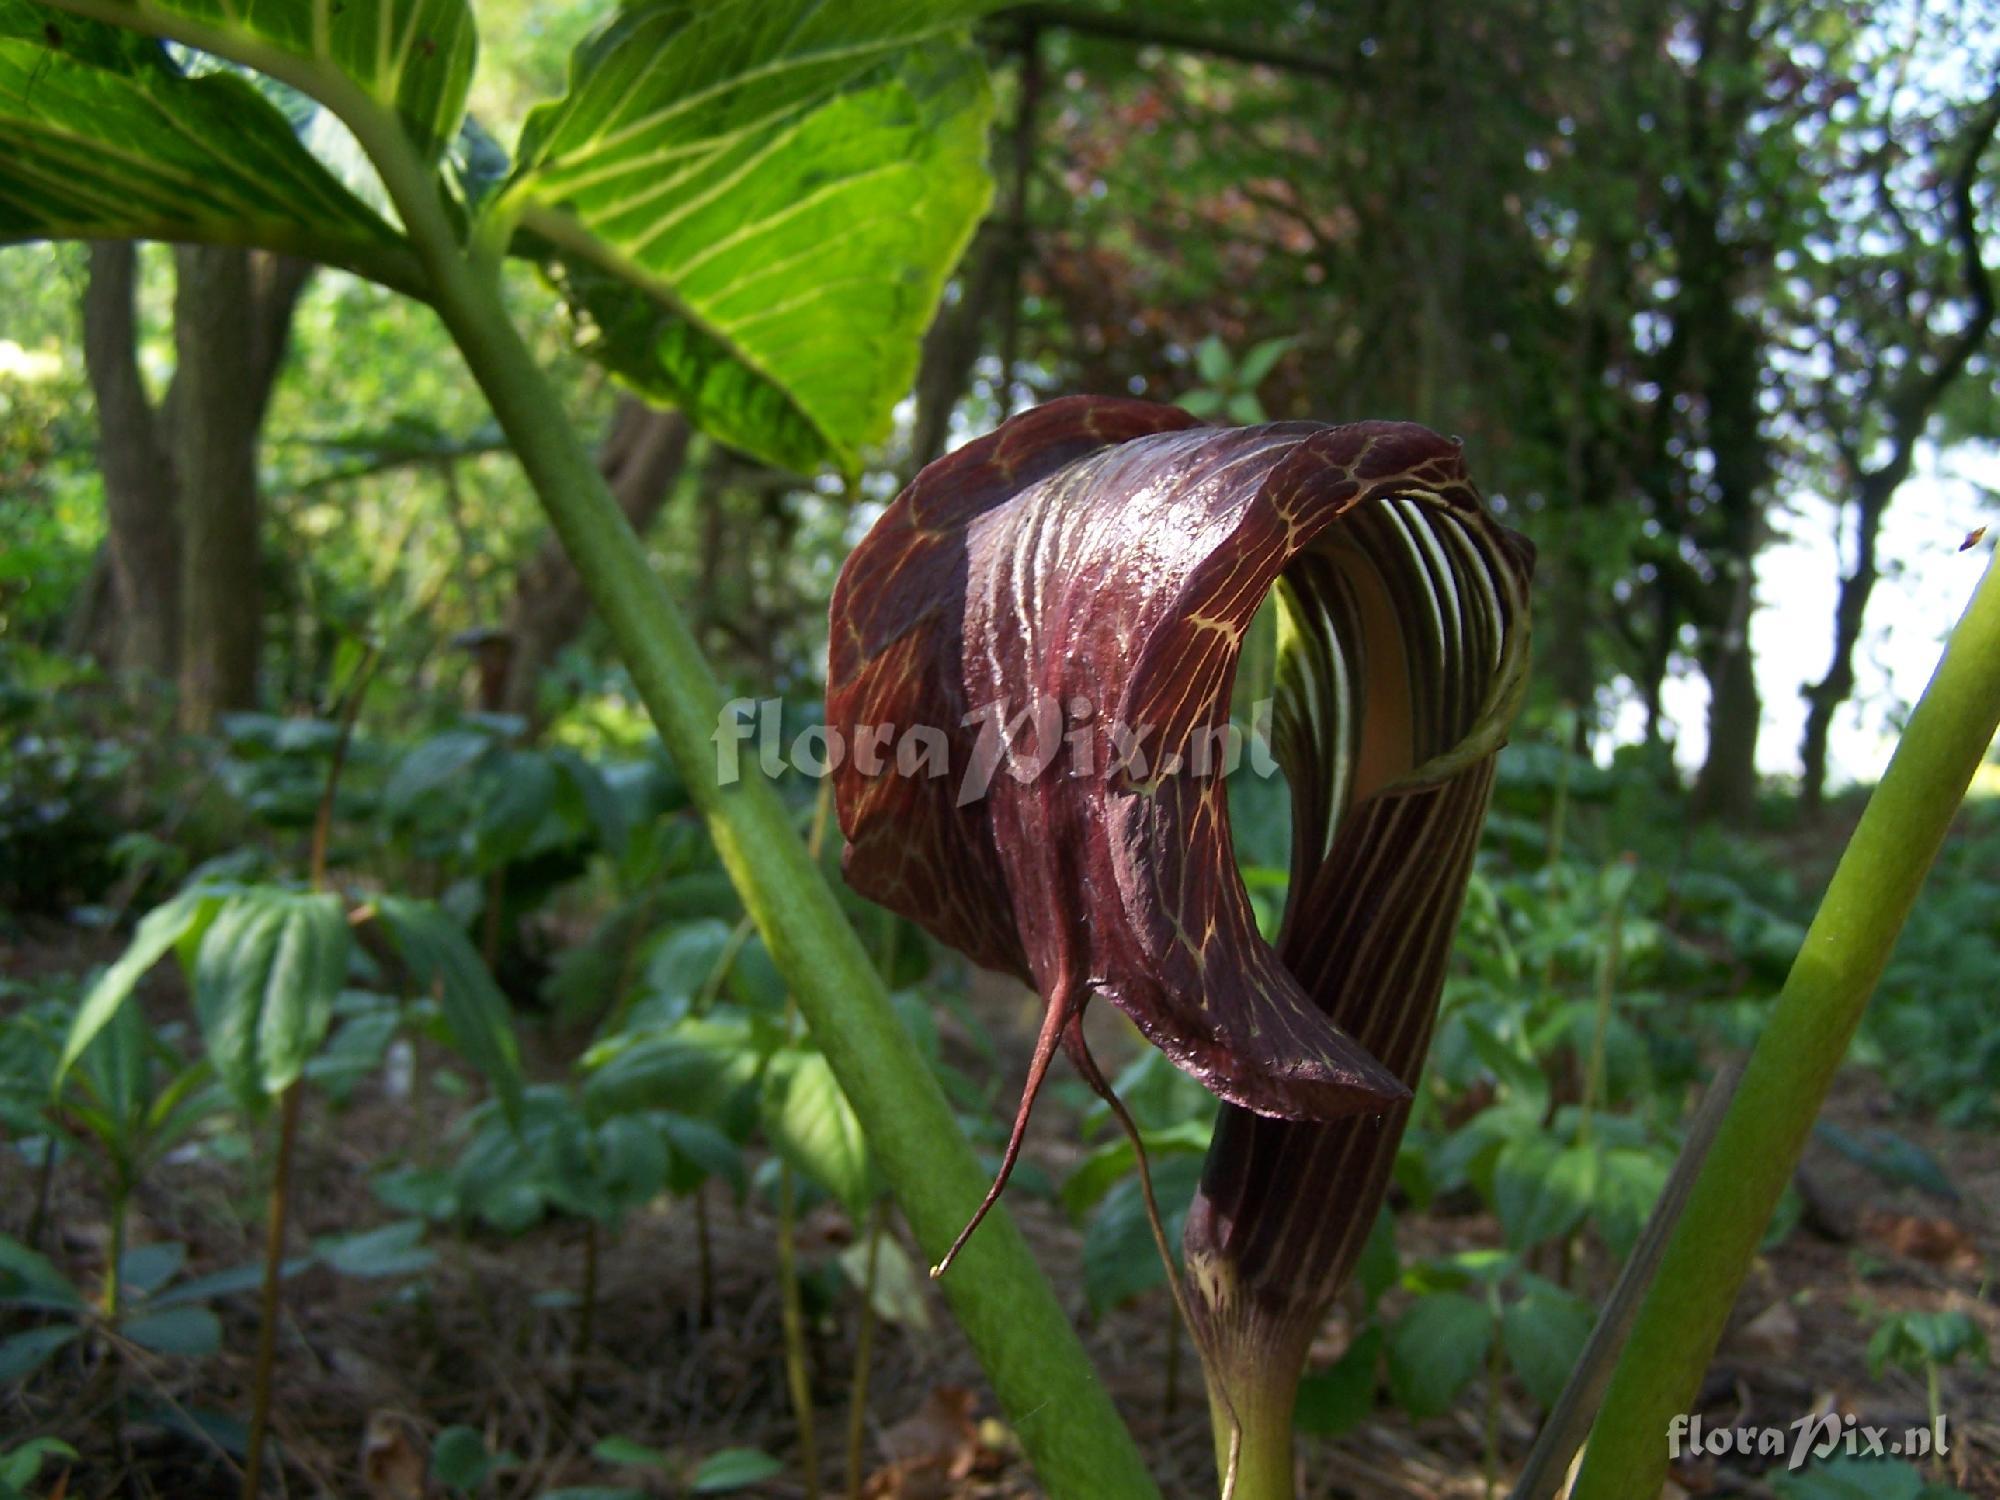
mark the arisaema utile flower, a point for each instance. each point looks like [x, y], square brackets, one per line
[1032, 659]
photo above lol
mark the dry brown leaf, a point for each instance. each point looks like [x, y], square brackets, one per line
[933, 1450]
[1774, 1332]
[392, 1458]
[1937, 1242]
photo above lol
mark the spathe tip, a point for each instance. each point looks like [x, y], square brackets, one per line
[1053, 1021]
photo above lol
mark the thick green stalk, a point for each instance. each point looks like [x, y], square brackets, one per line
[1024, 1340]
[1261, 1444]
[864, 1353]
[114, 1268]
[267, 1304]
[798, 1379]
[1607, 990]
[1795, 1059]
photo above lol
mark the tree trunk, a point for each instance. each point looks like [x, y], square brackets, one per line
[1727, 785]
[1663, 604]
[232, 315]
[951, 348]
[641, 458]
[1732, 354]
[142, 530]
[1569, 660]
[1823, 698]
[92, 629]
[1020, 232]
[1910, 402]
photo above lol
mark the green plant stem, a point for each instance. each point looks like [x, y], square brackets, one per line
[1568, 1423]
[1260, 1431]
[1795, 1059]
[1496, 1369]
[45, 1183]
[1607, 989]
[798, 1379]
[114, 1273]
[489, 927]
[322, 834]
[586, 1315]
[267, 1309]
[864, 1354]
[114, 1312]
[1559, 811]
[704, 1310]
[718, 972]
[1025, 1342]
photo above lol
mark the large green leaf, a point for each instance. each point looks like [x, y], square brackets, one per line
[475, 1012]
[1109, 1164]
[158, 931]
[1848, 1478]
[103, 136]
[734, 1469]
[30, 1279]
[788, 181]
[20, 1464]
[1435, 1349]
[1544, 1333]
[189, 1332]
[265, 978]
[1120, 1257]
[1332, 1401]
[811, 1125]
[409, 58]
[1541, 1190]
[697, 1067]
[25, 1353]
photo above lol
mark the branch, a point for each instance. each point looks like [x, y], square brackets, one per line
[276, 284]
[1020, 241]
[1149, 33]
[1918, 394]
[125, 414]
[387, 460]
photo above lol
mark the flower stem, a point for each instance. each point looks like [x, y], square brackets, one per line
[1496, 1369]
[1607, 989]
[864, 1354]
[798, 1379]
[350, 710]
[1795, 1059]
[1933, 1406]
[114, 1270]
[267, 1312]
[1260, 1432]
